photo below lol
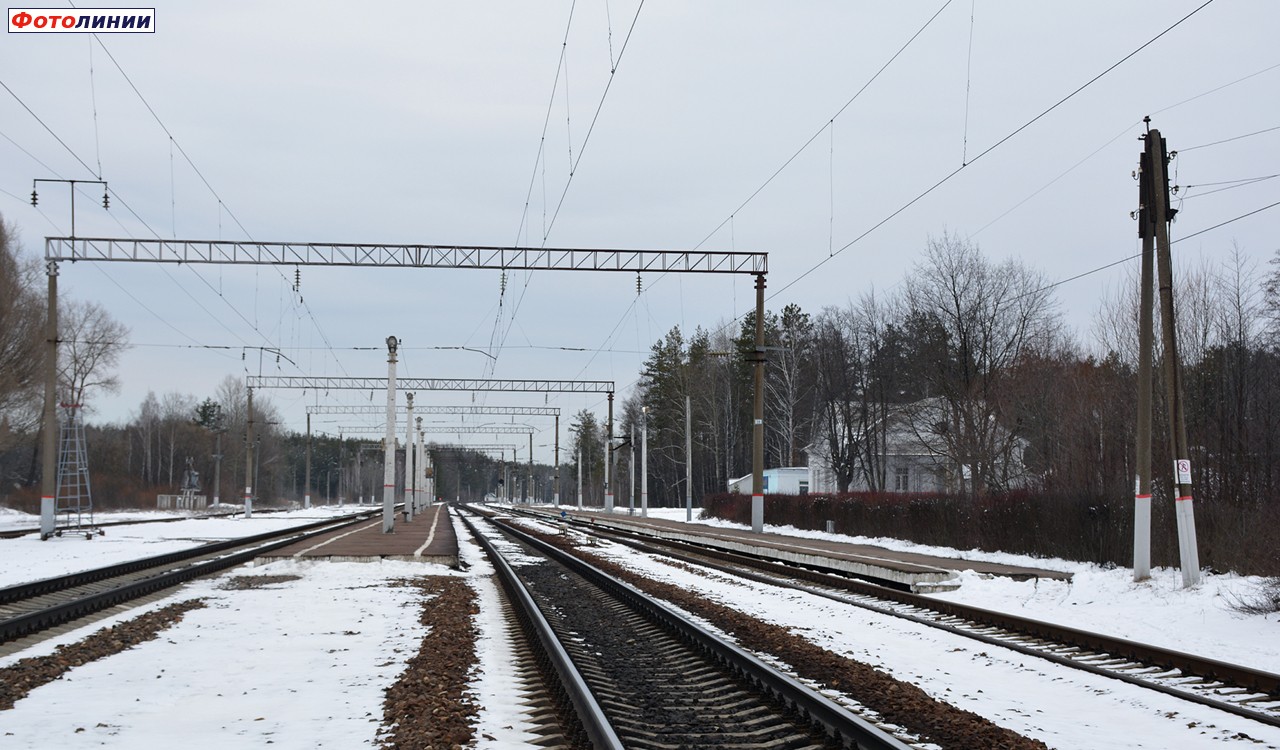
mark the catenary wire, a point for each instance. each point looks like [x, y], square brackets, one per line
[989, 149]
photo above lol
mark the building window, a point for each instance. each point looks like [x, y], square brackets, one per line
[901, 479]
[804, 487]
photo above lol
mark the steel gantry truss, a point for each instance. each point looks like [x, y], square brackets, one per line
[501, 429]
[401, 256]
[429, 384]
[107, 249]
[519, 411]
[447, 384]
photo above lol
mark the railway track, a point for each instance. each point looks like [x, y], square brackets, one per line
[29, 608]
[631, 672]
[1234, 688]
[89, 530]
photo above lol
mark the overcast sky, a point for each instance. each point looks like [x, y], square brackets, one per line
[423, 123]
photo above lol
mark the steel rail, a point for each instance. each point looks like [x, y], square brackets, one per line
[1168, 659]
[59, 530]
[818, 709]
[595, 725]
[71, 580]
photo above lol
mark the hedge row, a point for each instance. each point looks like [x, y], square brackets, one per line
[1232, 537]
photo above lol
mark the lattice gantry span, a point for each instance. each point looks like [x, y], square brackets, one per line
[507, 429]
[430, 384]
[422, 411]
[58, 249]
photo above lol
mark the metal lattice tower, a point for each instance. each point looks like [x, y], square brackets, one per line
[74, 503]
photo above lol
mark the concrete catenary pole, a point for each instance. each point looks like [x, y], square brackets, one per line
[49, 458]
[306, 488]
[688, 458]
[556, 490]
[410, 468]
[1142, 447]
[248, 456]
[389, 450]
[419, 467]
[1183, 502]
[426, 486]
[579, 473]
[632, 492]
[608, 458]
[644, 462]
[217, 467]
[757, 429]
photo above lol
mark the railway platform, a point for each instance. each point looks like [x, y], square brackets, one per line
[922, 573]
[428, 538]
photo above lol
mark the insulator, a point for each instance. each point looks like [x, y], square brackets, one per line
[106, 200]
[34, 198]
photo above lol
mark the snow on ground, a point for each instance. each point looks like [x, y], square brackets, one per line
[1201, 620]
[1063, 707]
[495, 674]
[27, 558]
[303, 663]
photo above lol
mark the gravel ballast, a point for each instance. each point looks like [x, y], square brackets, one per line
[28, 674]
[895, 701]
[430, 706]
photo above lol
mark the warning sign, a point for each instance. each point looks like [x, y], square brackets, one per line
[1182, 469]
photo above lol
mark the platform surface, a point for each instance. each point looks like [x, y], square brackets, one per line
[921, 571]
[429, 537]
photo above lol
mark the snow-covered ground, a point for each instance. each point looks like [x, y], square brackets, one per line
[1201, 620]
[303, 663]
[26, 558]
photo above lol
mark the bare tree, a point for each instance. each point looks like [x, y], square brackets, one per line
[92, 342]
[175, 415]
[992, 315]
[840, 423]
[788, 383]
[21, 339]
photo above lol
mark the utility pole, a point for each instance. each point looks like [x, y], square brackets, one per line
[1158, 159]
[306, 490]
[644, 461]
[556, 498]
[248, 458]
[410, 467]
[389, 450]
[217, 466]
[757, 430]
[425, 474]
[688, 458]
[49, 461]
[1146, 354]
[631, 481]
[608, 458]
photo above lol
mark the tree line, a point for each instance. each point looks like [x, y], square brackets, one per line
[1016, 401]
[969, 355]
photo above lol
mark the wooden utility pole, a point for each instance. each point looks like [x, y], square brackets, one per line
[1186, 523]
[1158, 159]
[1142, 480]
